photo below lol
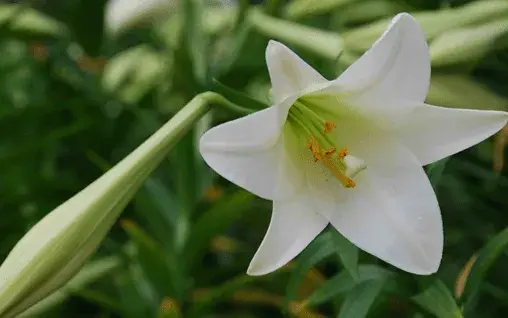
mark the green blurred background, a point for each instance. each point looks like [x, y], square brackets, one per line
[74, 100]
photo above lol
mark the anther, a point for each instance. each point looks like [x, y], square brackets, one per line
[330, 151]
[329, 126]
[342, 153]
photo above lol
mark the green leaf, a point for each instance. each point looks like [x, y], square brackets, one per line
[215, 221]
[322, 247]
[219, 293]
[347, 252]
[438, 300]
[435, 171]
[485, 259]
[155, 204]
[360, 299]
[160, 268]
[343, 283]
[237, 97]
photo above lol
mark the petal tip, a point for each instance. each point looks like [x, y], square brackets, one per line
[256, 269]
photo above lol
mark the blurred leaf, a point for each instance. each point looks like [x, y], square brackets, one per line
[160, 268]
[343, 283]
[485, 259]
[322, 247]
[22, 19]
[348, 253]
[438, 300]
[209, 297]
[91, 272]
[359, 301]
[215, 221]
[237, 97]
[435, 171]
[135, 302]
[158, 206]
[195, 38]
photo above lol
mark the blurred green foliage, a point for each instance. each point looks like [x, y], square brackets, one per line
[74, 101]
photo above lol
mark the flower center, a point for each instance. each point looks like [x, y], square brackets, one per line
[317, 133]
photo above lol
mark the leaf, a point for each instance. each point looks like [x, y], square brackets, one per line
[322, 247]
[360, 299]
[161, 270]
[212, 296]
[485, 259]
[435, 171]
[155, 204]
[347, 252]
[438, 300]
[215, 221]
[237, 97]
[343, 283]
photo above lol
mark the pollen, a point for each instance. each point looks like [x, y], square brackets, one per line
[314, 148]
[333, 164]
[329, 126]
[330, 151]
[342, 153]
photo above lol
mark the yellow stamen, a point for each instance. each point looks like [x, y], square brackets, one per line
[330, 152]
[314, 148]
[329, 126]
[342, 153]
[326, 157]
[339, 175]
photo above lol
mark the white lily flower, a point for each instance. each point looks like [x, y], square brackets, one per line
[349, 152]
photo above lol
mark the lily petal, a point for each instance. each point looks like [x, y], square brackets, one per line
[397, 64]
[250, 152]
[433, 133]
[289, 74]
[294, 224]
[392, 213]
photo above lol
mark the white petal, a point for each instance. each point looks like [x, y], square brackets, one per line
[289, 74]
[433, 133]
[250, 152]
[392, 213]
[397, 64]
[294, 224]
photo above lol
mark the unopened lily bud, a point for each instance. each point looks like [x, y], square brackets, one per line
[56, 248]
[466, 44]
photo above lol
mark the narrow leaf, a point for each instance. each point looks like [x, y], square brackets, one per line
[322, 247]
[435, 171]
[347, 252]
[343, 283]
[359, 301]
[438, 300]
[485, 259]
